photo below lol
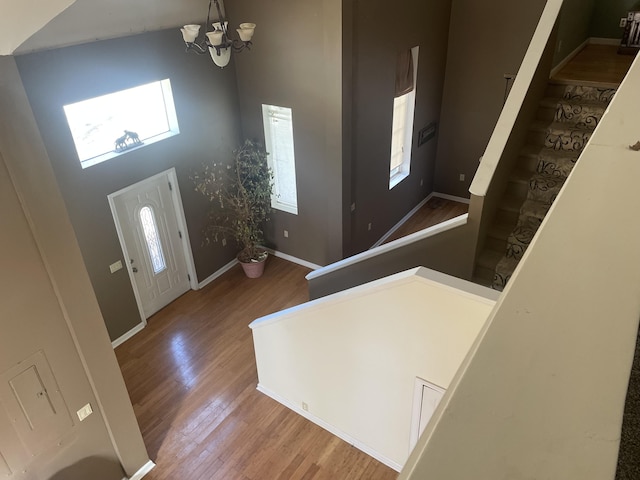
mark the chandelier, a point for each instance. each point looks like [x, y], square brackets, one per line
[217, 41]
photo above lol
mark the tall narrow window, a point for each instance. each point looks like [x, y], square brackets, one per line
[278, 136]
[152, 239]
[403, 110]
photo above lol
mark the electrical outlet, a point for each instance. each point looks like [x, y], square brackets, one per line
[224, 242]
[286, 234]
[369, 227]
[462, 177]
[114, 267]
[84, 412]
[305, 407]
[623, 22]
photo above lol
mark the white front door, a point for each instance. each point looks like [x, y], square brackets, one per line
[152, 241]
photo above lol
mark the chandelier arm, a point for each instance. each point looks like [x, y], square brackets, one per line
[238, 45]
[206, 27]
[192, 47]
[221, 18]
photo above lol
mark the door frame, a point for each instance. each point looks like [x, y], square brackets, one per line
[416, 413]
[182, 225]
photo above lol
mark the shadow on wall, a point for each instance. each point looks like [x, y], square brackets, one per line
[94, 468]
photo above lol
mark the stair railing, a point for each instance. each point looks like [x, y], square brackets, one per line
[510, 133]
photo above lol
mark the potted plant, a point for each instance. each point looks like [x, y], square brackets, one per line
[240, 197]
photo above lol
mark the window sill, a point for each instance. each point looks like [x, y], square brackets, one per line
[397, 178]
[108, 156]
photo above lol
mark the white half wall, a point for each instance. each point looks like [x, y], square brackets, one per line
[351, 359]
[542, 393]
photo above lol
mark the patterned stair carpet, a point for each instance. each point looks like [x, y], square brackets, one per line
[577, 114]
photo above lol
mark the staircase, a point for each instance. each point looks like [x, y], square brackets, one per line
[565, 121]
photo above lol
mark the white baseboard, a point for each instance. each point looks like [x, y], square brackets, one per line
[453, 198]
[120, 340]
[146, 468]
[331, 429]
[218, 273]
[614, 42]
[293, 259]
[401, 222]
[589, 41]
[444, 196]
[568, 58]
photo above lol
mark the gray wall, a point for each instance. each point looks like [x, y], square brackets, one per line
[206, 105]
[296, 62]
[605, 22]
[48, 305]
[449, 252]
[486, 40]
[573, 27]
[379, 33]
[327, 61]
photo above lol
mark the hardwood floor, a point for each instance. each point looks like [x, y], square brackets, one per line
[191, 375]
[596, 63]
[436, 210]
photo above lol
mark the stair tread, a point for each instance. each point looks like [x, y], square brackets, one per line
[552, 102]
[534, 151]
[557, 82]
[542, 126]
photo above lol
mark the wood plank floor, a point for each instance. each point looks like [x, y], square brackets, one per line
[596, 63]
[191, 375]
[436, 210]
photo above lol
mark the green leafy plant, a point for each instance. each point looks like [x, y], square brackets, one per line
[240, 197]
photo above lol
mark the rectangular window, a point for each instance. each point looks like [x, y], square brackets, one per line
[278, 136]
[110, 125]
[403, 112]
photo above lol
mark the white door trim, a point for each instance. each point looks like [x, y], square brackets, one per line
[417, 408]
[182, 225]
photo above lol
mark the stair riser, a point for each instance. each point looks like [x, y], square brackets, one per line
[554, 142]
[546, 113]
[577, 93]
[508, 216]
[588, 94]
[571, 141]
[484, 275]
[585, 116]
[517, 189]
[495, 243]
[528, 163]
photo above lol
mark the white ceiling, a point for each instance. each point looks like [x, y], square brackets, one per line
[21, 18]
[30, 25]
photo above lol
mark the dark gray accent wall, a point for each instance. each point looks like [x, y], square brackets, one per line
[573, 27]
[486, 41]
[605, 22]
[206, 104]
[296, 62]
[379, 34]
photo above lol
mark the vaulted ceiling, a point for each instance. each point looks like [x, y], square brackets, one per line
[30, 25]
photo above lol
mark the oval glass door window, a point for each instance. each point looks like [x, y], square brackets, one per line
[152, 239]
